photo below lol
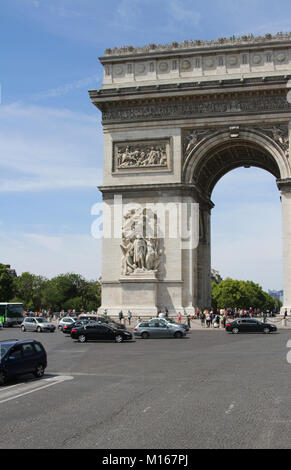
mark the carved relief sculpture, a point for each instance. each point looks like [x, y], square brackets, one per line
[141, 155]
[280, 135]
[141, 249]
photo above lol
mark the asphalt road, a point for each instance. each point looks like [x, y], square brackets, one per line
[211, 390]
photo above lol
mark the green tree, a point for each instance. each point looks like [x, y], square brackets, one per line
[60, 289]
[29, 289]
[241, 294]
[6, 284]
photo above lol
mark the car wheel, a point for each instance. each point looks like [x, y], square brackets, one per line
[235, 331]
[82, 339]
[178, 334]
[39, 371]
[144, 335]
[23, 328]
[266, 330]
[3, 378]
[118, 339]
[38, 329]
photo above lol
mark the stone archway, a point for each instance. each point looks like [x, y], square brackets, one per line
[216, 153]
[176, 119]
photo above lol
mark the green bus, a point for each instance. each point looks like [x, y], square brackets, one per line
[11, 313]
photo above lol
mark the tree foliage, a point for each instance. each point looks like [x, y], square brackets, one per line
[68, 291]
[232, 293]
[6, 284]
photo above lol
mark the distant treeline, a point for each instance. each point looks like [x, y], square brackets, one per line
[64, 292]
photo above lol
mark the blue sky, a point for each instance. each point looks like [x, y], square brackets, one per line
[51, 136]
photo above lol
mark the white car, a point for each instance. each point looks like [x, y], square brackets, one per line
[66, 321]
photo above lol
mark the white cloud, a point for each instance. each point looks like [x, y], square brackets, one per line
[43, 148]
[51, 255]
[183, 11]
[67, 88]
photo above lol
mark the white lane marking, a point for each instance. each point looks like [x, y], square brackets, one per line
[230, 408]
[146, 409]
[49, 383]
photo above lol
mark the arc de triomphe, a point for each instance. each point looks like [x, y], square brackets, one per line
[176, 119]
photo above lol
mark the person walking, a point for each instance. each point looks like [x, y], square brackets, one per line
[129, 316]
[189, 319]
[120, 316]
[208, 319]
[179, 317]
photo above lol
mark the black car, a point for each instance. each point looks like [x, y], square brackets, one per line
[21, 357]
[104, 320]
[68, 327]
[249, 325]
[97, 331]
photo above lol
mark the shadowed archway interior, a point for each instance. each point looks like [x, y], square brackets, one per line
[228, 156]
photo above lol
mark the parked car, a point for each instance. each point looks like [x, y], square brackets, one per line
[68, 326]
[158, 328]
[104, 319]
[249, 325]
[38, 324]
[66, 321]
[97, 331]
[21, 357]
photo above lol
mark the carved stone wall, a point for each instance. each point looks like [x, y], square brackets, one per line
[197, 107]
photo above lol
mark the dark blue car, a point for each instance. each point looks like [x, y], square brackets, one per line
[21, 357]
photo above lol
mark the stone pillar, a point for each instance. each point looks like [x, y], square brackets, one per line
[204, 260]
[285, 188]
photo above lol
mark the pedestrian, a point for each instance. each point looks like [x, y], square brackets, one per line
[179, 317]
[189, 320]
[129, 316]
[202, 318]
[167, 313]
[285, 313]
[208, 318]
[120, 315]
[105, 312]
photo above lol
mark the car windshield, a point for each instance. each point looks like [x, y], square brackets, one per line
[3, 349]
[40, 320]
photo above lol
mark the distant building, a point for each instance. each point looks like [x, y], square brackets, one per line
[12, 272]
[215, 276]
[277, 294]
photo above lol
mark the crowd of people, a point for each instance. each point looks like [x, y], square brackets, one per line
[208, 318]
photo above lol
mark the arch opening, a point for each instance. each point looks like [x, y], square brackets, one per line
[228, 156]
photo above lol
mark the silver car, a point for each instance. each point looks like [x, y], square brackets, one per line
[66, 321]
[158, 328]
[37, 324]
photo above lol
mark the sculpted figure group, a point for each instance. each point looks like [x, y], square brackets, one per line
[140, 253]
[155, 155]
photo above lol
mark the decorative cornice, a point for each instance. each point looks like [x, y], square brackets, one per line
[179, 189]
[284, 185]
[233, 41]
[225, 85]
